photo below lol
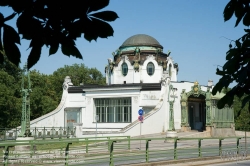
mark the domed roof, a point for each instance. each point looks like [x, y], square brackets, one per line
[141, 40]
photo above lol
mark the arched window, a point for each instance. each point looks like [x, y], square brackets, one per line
[170, 69]
[150, 68]
[124, 69]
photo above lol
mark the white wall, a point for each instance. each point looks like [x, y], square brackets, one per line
[54, 118]
[89, 112]
[149, 98]
[156, 77]
[156, 121]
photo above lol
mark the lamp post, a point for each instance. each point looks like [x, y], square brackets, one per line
[25, 121]
[171, 99]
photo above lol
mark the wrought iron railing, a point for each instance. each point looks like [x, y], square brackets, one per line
[121, 150]
[38, 133]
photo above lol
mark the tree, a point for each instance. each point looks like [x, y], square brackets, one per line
[241, 115]
[10, 99]
[43, 96]
[78, 73]
[237, 67]
[52, 23]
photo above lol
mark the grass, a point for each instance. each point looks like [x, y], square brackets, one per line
[58, 146]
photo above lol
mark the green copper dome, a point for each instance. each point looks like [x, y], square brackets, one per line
[141, 40]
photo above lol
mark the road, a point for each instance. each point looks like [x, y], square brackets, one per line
[160, 151]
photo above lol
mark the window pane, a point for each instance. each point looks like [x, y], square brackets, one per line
[112, 110]
[150, 68]
[124, 69]
[72, 116]
[98, 113]
[110, 114]
[103, 114]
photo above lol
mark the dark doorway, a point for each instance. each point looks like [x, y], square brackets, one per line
[197, 112]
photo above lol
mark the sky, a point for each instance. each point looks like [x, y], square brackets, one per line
[193, 30]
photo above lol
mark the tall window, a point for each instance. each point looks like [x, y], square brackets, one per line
[113, 110]
[150, 68]
[170, 70]
[124, 69]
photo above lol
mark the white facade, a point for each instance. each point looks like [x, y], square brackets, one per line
[128, 89]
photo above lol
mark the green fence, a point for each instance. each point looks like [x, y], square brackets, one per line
[117, 150]
[223, 118]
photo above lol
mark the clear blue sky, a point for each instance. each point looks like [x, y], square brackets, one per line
[193, 30]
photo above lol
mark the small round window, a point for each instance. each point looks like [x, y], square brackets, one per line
[124, 69]
[150, 68]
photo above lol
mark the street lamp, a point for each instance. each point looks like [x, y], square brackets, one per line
[171, 99]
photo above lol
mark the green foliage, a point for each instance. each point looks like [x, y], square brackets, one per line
[78, 74]
[241, 115]
[53, 23]
[43, 97]
[10, 99]
[237, 67]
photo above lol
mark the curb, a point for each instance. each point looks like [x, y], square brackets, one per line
[195, 162]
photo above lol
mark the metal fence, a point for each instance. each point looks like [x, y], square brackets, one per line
[38, 133]
[223, 118]
[120, 150]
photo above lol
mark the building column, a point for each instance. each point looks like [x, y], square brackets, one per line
[184, 112]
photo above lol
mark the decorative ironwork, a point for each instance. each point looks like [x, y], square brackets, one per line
[25, 121]
[184, 113]
[176, 67]
[171, 107]
[137, 59]
[196, 92]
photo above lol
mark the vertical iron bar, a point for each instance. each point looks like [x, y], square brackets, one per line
[175, 149]
[237, 144]
[52, 132]
[4, 136]
[147, 153]
[128, 137]
[35, 134]
[16, 134]
[68, 132]
[108, 143]
[60, 136]
[6, 155]
[43, 132]
[220, 146]
[87, 145]
[111, 158]
[67, 154]
[199, 147]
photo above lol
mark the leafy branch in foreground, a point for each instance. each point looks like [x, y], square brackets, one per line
[237, 66]
[54, 24]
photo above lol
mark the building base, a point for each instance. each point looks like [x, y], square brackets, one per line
[24, 147]
[185, 128]
[171, 134]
